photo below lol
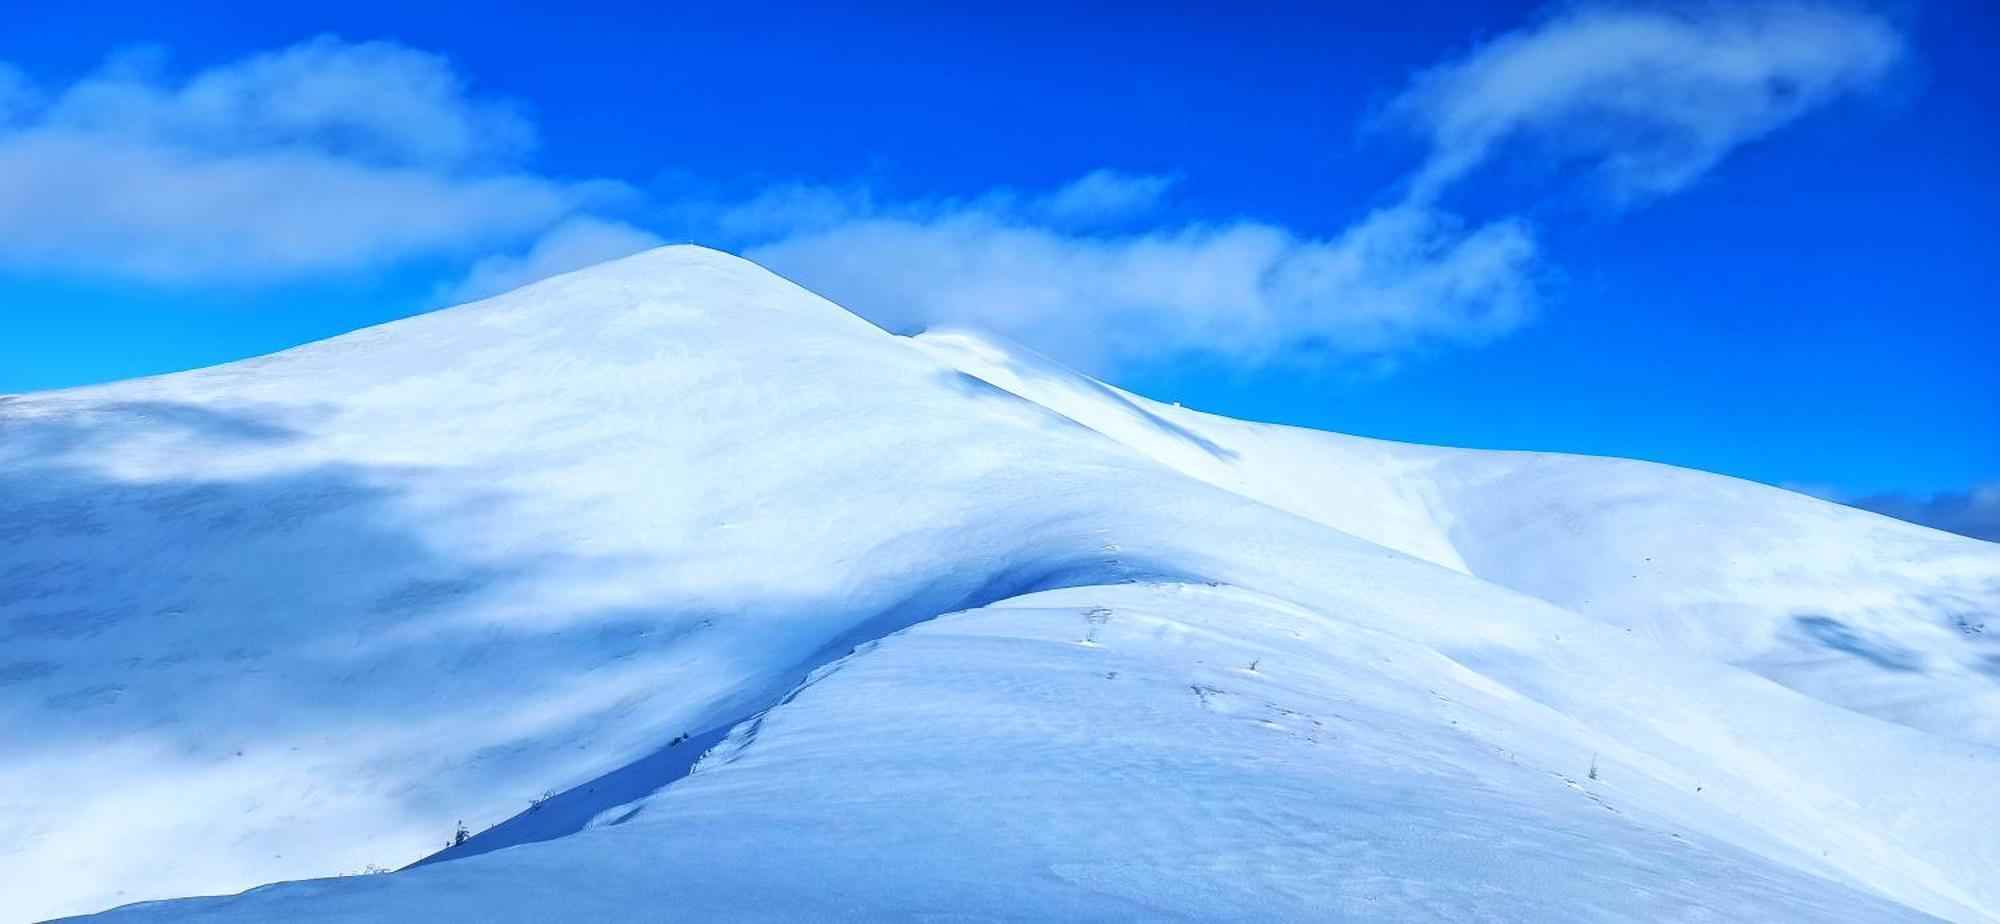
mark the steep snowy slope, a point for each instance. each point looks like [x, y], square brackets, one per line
[1874, 614]
[305, 614]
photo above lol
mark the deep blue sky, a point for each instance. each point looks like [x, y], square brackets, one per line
[1819, 308]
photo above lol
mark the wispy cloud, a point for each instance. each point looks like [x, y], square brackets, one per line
[1646, 98]
[332, 155]
[325, 155]
[1030, 267]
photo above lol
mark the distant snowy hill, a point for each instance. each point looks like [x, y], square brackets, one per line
[705, 599]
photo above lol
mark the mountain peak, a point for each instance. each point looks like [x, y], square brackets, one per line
[667, 301]
[309, 612]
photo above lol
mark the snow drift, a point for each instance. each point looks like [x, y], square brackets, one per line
[704, 598]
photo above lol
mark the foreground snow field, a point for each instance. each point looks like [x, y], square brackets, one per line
[704, 598]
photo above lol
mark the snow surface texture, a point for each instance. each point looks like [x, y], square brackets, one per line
[705, 599]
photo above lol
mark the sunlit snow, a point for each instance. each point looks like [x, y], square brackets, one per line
[691, 595]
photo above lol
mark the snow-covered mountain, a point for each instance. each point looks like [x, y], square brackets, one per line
[706, 599]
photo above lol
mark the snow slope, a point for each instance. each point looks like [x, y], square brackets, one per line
[304, 614]
[1871, 613]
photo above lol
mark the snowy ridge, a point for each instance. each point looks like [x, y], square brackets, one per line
[304, 614]
[1882, 616]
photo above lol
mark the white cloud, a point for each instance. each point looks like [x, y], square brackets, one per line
[1105, 196]
[1647, 98]
[332, 155]
[572, 245]
[375, 102]
[1643, 98]
[1244, 291]
[327, 155]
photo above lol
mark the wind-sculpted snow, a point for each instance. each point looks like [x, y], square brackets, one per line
[1874, 614]
[1141, 752]
[515, 565]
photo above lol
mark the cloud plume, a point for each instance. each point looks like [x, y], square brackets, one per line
[1641, 99]
[1030, 267]
[1644, 98]
[330, 156]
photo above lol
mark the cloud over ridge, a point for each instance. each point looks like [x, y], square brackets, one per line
[1246, 290]
[1644, 98]
[332, 155]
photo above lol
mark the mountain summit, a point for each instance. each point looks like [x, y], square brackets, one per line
[707, 599]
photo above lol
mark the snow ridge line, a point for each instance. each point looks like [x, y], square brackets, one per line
[618, 796]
